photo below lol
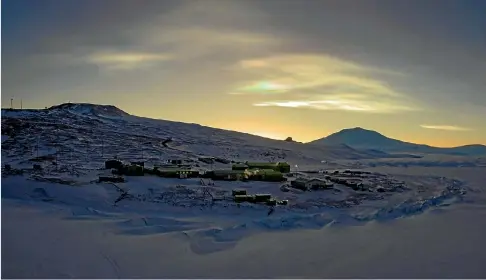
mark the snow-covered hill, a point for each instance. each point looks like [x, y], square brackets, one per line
[364, 139]
[97, 132]
[59, 221]
[103, 111]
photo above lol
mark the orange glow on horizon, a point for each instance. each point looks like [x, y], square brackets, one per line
[267, 135]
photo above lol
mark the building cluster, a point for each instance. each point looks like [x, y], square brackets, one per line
[243, 171]
[254, 171]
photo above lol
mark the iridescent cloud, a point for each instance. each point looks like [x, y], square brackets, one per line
[446, 127]
[112, 60]
[321, 82]
[313, 71]
[340, 103]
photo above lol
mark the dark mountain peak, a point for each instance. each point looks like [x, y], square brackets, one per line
[354, 136]
[360, 138]
[358, 130]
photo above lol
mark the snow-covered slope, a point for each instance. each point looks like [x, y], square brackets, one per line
[440, 245]
[360, 138]
[59, 222]
[96, 132]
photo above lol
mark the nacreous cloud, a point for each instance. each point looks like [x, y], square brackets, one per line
[345, 103]
[126, 60]
[321, 82]
[446, 127]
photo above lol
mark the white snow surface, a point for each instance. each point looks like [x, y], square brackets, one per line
[59, 223]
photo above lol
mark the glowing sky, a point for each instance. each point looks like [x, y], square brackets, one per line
[410, 69]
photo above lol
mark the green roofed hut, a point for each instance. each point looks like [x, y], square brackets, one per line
[239, 192]
[244, 198]
[299, 183]
[167, 173]
[239, 166]
[177, 173]
[282, 167]
[227, 175]
[130, 170]
[314, 184]
[268, 175]
[317, 184]
[262, 197]
[113, 164]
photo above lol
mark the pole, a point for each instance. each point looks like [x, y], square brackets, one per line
[57, 152]
[11, 103]
[37, 152]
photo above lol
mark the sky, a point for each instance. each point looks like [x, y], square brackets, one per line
[411, 69]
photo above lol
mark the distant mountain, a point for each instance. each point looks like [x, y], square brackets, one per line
[360, 138]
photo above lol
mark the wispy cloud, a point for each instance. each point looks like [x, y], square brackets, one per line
[321, 82]
[446, 127]
[179, 44]
[195, 42]
[200, 28]
[340, 103]
[113, 60]
[191, 32]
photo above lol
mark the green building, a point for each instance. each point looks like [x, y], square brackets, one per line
[239, 166]
[283, 167]
[276, 166]
[177, 173]
[131, 170]
[239, 192]
[314, 184]
[299, 183]
[227, 175]
[268, 175]
[244, 198]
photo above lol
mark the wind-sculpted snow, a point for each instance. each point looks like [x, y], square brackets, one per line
[414, 207]
[173, 206]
